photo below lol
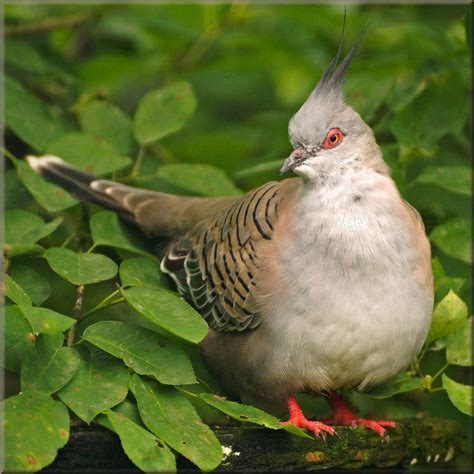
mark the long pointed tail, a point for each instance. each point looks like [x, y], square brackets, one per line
[80, 184]
[159, 213]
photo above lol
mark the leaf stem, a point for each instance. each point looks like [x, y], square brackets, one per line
[105, 303]
[440, 371]
[138, 162]
[91, 248]
[68, 239]
[9, 155]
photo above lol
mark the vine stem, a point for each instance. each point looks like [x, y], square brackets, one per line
[68, 239]
[77, 313]
[91, 248]
[440, 371]
[105, 303]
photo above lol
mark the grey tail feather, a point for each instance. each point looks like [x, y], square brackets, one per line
[76, 182]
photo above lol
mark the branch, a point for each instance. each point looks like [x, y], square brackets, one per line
[51, 23]
[77, 314]
[431, 442]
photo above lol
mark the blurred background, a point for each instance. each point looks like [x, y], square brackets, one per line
[251, 67]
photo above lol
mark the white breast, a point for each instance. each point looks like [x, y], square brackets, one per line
[351, 313]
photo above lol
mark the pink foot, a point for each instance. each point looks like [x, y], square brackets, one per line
[343, 416]
[298, 419]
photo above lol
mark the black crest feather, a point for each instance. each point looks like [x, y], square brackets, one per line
[333, 77]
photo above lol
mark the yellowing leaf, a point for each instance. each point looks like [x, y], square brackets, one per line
[449, 315]
[459, 394]
[36, 426]
[163, 111]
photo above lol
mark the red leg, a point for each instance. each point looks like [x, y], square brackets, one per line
[342, 415]
[298, 419]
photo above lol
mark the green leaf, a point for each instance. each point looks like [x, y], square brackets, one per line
[449, 315]
[453, 237]
[163, 111]
[23, 250]
[459, 394]
[50, 366]
[459, 345]
[22, 55]
[144, 351]
[443, 98]
[23, 227]
[239, 412]
[88, 153]
[442, 282]
[82, 268]
[456, 179]
[53, 198]
[144, 449]
[19, 338]
[127, 408]
[189, 179]
[168, 311]
[100, 383]
[105, 120]
[36, 426]
[402, 382]
[246, 413]
[171, 417]
[37, 287]
[28, 117]
[106, 229]
[15, 292]
[15, 194]
[142, 272]
[45, 320]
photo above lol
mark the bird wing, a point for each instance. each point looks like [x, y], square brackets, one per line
[215, 263]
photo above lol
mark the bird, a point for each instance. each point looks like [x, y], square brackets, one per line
[314, 283]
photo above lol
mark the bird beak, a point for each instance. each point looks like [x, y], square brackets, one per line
[297, 157]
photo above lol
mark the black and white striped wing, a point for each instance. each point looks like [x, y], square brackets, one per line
[215, 263]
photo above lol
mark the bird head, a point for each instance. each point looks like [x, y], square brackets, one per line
[326, 133]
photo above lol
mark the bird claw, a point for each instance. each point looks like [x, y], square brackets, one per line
[297, 418]
[318, 428]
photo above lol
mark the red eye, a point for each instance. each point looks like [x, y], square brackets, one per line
[333, 138]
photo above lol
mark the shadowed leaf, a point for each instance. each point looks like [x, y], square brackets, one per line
[19, 338]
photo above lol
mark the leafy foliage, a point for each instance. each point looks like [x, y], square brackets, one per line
[195, 100]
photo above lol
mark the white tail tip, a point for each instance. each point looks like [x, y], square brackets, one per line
[40, 162]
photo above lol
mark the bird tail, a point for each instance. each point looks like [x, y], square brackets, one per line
[162, 214]
[83, 185]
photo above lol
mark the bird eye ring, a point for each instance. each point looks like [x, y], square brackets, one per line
[333, 138]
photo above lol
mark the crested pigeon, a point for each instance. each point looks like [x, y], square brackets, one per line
[309, 284]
